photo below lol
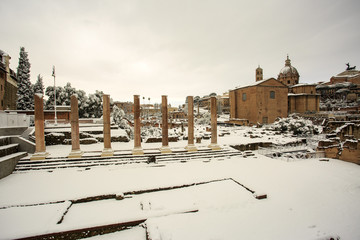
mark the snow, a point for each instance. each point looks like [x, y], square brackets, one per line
[306, 199]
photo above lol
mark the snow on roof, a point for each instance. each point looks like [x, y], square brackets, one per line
[303, 85]
[301, 94]
[347, 73]
[287, 69]
[336, 85]
[254, 84]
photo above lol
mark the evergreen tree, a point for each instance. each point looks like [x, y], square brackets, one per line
[25, 95]
[93, 105]
[60, 96]
[82, 100]
[39, 85]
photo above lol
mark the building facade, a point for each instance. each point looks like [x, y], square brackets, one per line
[302, 98]
[8, 83]
[262, 102]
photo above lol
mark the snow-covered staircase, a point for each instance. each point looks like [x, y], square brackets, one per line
[87, 163]
[9, 156]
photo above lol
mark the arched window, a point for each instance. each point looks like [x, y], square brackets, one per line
[272, 94]
[244, 96]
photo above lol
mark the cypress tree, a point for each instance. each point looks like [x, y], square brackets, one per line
[25, 94]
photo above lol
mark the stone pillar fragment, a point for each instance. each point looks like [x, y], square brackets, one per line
[190, 147]
[75, 138]
[137, 131]
[213, 145]
[165, 137]
[40, 150]
[107, 151]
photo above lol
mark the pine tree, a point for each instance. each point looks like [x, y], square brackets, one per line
[25, 95]
[39, 85]
[93, 105]
[60, 96]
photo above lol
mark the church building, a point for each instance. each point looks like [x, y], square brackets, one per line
[266, 100]
[261, 102]
[8, 84]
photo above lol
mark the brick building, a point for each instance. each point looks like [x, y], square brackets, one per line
[352, 76]
[8, 83]
[302, 98]
[261, 102]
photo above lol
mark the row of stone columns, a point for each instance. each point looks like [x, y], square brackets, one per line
[76, 152]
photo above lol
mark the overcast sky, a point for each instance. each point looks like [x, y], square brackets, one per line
[178, 48]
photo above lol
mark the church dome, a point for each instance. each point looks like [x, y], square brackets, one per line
[289, 75]
[289, 70]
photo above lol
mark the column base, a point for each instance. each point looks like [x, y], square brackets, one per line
[165, 149]
[107, 152]
[191, 148]
[214, 146]
[138, 151]
[39, 156]
[75, 154]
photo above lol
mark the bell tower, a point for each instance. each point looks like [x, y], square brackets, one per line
[259, 74]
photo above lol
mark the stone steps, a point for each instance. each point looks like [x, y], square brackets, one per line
[8, 149]
[120, 159]
[9, 156]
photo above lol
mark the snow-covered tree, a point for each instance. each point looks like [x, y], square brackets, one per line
[60, 96]
[68, 92]
[117, 114]
[82, 100]
[25, 95]
[39, 85]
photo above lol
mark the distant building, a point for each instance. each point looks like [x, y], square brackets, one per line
[288, 75]
[352, 76]
[8, 83]
[343, 87]
[261, 102]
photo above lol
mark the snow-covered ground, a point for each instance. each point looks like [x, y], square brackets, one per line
[307, 199]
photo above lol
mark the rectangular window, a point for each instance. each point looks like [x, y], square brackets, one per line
[272, 94]
[244, 96]
[265, 120]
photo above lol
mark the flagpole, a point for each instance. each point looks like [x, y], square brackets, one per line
[54, 95]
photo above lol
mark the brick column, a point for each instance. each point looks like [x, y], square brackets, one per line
[165, 137]
[190, 147]
[107, 151]
[137, 137]
[75, 139]
[40, 150]
[213, 145]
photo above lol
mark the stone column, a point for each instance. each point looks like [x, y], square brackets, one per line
[74, 120]
[40, 150]
[190, 147]
[107, 151]
[213, 145]
[165, 137]
[137, 137]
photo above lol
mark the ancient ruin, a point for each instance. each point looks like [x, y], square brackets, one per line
[40, 152]
[190, 147]
[164, 113]
[137, 150]
[107, 151]
[75, 139]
